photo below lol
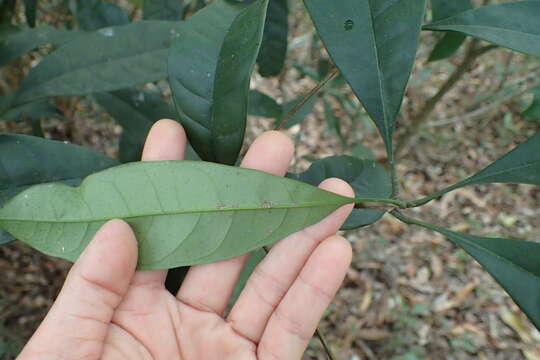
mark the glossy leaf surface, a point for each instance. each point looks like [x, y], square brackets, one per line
[274, 43]
[122, 56]
[367, 177]
[263, 105]
[163, 10]
[451, 41]
[513, 263]
[209, 71]
[512, 25]
[21, 42]
[27, 160]
[520, 165]
[182, 212]
[373, 43]
[96, 14]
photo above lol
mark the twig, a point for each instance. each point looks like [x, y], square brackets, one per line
[309, 95]
[483, 110]
[471, 54]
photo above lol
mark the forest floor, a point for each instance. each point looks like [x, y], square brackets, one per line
[410, 293]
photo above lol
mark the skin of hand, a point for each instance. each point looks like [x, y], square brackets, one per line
[108, 310]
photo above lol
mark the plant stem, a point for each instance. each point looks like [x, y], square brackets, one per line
[471, 54]
[327, 349]
[309, 95]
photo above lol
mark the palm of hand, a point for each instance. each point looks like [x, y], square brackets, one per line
[107, 310]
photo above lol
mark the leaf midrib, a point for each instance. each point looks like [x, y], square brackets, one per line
[187, 211]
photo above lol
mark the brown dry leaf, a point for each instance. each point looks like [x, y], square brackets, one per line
[366, 302]
[457, 299]
[515, 321]
[373, 334]
[436, 265]
[471, 195]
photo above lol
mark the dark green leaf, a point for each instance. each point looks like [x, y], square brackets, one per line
[18, 43]
[513, 263]
[263, 105]
[209, 71]
[182, 212]
[136, 111]
[96, 14]
[301, 114]
[373, 43]
[5, 237]
[121, 56]
[533, 111]
[333, 122]
[163, 10]
[451, 41]
[7, 10]
[30, 12]
[513, 25]
[30, 111]
[520, 165]
[274, 43]
[368, 178]
[27, 160]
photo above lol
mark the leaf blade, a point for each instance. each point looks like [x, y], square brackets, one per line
[209, 73]
[367, 178]
[21, 42]
[511, 25]
[163, 10]
[513, 263]
[368, 41]
[124, 56]
[273, 50]
[184, 207]
[27, 160]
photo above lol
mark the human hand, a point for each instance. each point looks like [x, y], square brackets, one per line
[107, 310]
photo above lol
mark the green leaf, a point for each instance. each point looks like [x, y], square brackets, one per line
[274, 43]
[209, 71]
[136, 111]
[533, 111]
[301, 114]
[96, 14]
[21, 42]
[368, 178]
[27, 160]
[521, 165]
[373, 43]
[513, 263]
[512, 25]
[7, 10]
[333, 122]
[163, 10]
[182, 212]
[31, 111]
[121, 56]
[263, 105]
[30, 12]
[451, 41]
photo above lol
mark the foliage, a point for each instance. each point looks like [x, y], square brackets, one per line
[206, 57]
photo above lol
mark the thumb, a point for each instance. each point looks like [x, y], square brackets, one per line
[77, 324]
